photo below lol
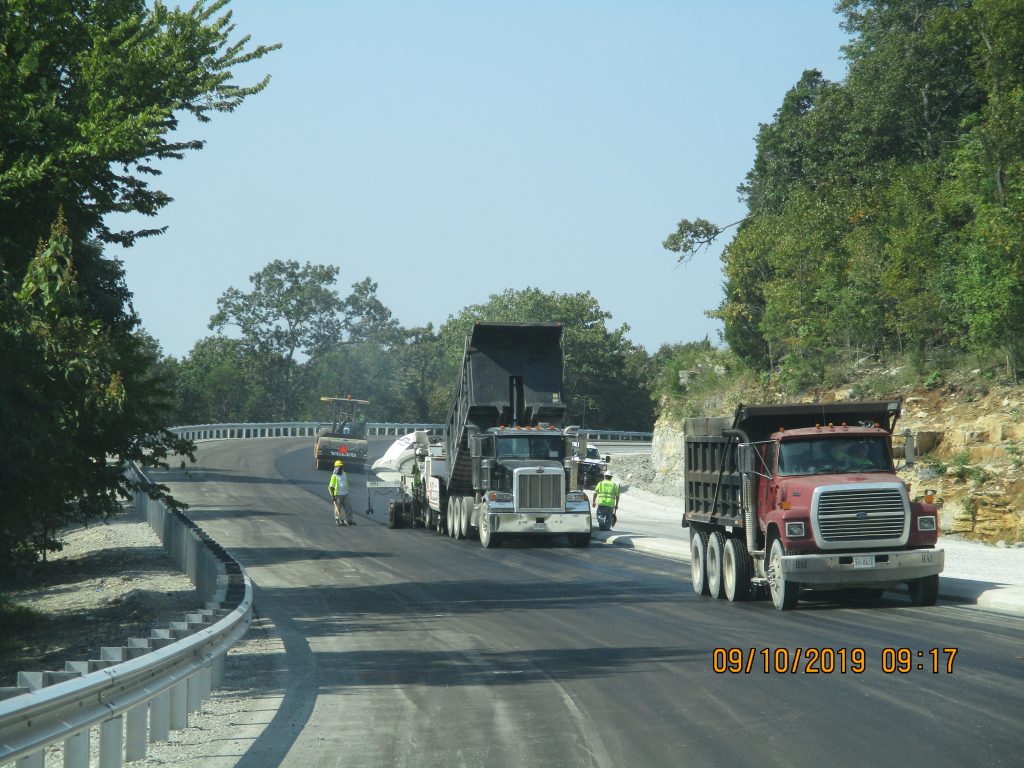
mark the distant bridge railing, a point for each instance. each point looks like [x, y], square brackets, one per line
[200, 432]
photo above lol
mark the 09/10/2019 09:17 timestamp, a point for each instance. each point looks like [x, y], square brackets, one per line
[830, 660]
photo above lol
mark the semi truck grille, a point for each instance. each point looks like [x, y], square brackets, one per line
[535, 491]
[862, 514]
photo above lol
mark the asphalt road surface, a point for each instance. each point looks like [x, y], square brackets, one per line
[405, 648]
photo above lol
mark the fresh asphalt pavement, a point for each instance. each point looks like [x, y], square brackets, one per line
[406, 648]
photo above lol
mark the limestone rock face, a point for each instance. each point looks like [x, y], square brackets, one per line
[667, 458]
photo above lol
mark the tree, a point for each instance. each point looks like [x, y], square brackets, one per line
[291, 308]
[90, 92]
[366, 318]
[884, 210]
[82, 392]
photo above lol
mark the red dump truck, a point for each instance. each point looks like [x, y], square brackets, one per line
[788, 497]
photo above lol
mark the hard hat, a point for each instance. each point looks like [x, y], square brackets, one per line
[338, 464]
[607, 473]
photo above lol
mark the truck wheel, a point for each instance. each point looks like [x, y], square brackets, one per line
[713, 563]
[454, 513]
[465, 515]
[488, 540]
[924, 591]
[784, 592]
[579, 540]
[736, 570]
[698, 549]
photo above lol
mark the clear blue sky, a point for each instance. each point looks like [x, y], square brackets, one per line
[455, 148]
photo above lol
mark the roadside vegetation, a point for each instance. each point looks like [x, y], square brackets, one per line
[90, 94]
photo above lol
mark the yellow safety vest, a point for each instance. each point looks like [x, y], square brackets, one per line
[338, 484]
[607, 493]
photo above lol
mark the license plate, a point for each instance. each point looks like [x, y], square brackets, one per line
[867, 561]
[540, 526]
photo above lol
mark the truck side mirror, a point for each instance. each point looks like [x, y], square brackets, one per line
[481, 446]
[745, 458]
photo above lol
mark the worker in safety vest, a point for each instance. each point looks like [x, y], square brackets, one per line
[606, 494]
[338, 488]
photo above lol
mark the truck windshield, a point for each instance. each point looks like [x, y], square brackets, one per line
[530, 447]
[837, 454]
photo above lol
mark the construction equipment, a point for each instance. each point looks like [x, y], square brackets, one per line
[505, 465]
[345, 438]
[787, 497]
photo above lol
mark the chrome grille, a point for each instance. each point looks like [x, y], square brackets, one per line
[861, 514]
[539, 491]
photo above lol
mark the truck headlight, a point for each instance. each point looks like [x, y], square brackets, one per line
[926, 523]
[795, 530]
[575, 496]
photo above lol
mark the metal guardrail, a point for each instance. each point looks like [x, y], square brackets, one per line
[146, 688]
[200, 432]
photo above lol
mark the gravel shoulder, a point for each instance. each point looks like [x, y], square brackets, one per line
[112, 581]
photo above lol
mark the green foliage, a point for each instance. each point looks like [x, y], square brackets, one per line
[291, 308]
[961, 466]
[90, 94]
[932, 462]
[1015, 450]
[82, 396]
[407, 374]
[886, 211]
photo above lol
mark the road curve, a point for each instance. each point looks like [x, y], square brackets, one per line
[409, 649]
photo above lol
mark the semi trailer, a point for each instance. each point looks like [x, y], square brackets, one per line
[504, 465]
[806, 496]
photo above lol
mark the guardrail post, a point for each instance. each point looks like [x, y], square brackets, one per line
[194, 692]
[179, 706]
[160, 717]
[76, 750]
[32, 761]
[217, 670]
[205, 676]
[111, 734]
[135, 733]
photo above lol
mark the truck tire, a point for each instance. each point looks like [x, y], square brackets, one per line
[465, 512]
[784, 591]
[579, 540]
[698, 550]
[453, 516]
[924, 591]
[736, 571]
[713, 563]
[488, 540]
